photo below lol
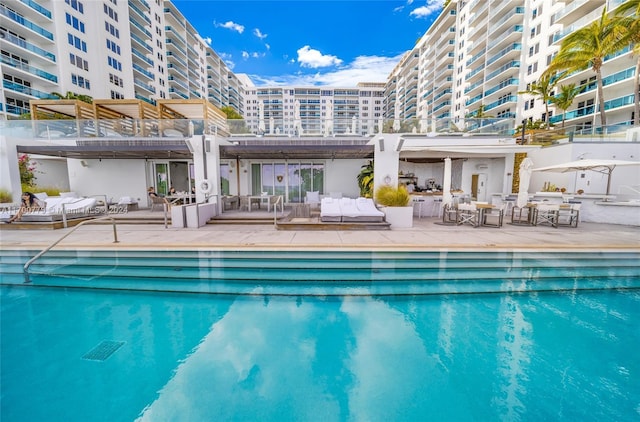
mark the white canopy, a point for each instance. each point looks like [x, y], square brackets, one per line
[602, 166]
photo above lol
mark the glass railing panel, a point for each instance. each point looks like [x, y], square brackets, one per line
[35, 6]
[140, 27]
[27, 90]
[25, 22]
[139, 12]
[142, 56]
[27, 46]
[28, 68]
[145, 72]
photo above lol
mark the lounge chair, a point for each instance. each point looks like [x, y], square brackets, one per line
[61, 208]
[330, 210]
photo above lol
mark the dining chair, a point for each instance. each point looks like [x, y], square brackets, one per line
[450, 214]
[569, 216]
[547, 214]
[468, 214]
[494, 217]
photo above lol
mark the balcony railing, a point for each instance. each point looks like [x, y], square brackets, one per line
[35, 6]
[27, 46]
[27, 90]
[25, 22]
[29, 69]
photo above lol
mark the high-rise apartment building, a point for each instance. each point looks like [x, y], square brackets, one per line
[479, 56]
[110, 49]
[318, 110]
[474, 60]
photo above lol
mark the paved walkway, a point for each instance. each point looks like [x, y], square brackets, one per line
[425, 235]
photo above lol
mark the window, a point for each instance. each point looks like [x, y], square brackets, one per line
[76, 5]
[114, 63]
[77, 42]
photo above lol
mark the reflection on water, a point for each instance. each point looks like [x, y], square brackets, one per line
[440, 357]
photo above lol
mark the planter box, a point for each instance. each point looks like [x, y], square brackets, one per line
[399, 217]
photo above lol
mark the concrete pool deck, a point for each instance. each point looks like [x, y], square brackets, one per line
[425, 235]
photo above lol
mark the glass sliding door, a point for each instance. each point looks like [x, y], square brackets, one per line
[295, 180]
[292, 180]
[161, 176]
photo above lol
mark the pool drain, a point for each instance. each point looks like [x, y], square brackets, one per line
[103, 350]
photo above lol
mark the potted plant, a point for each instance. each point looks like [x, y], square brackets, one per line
[395, 202]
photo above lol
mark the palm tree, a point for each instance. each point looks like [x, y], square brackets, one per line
[365, 180]
[543, 89]
[73, 96]
[565, 98]
[631, 27]
[587, 48]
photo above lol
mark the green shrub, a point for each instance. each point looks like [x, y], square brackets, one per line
[392, 196]
[39, 189]
[5, 196]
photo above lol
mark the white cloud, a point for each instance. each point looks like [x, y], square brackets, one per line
[431, 7]
[362, 69]
[259, 34]
[208, 40]
[230, 25]
[308, 57]
[245, 55]
[268, 46]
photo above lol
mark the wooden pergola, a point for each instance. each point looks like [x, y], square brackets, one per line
[63, 117]
[131, 117]
[176, 115]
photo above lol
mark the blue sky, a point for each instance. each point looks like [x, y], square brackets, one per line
[311, 42]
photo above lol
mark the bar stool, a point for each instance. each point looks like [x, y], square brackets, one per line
[419, 201]
[436, 206]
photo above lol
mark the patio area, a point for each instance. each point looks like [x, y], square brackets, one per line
[425, 234]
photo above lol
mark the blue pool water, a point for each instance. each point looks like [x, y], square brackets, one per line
[518, 354]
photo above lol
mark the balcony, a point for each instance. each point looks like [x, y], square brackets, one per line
[27, 46]
[504, 68]
[139, 27]
[29, 69]
[137, 82]
[169, 29]
[25, 22]
[179, 20]
[25, 90]
[175, 92]
[514, 17]
[141, 42]
[35, 6]
[142, 57]
[513, 48]
[144, 72]
[139, 12]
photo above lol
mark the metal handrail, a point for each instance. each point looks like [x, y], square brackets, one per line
[25, 269]
[275, 209]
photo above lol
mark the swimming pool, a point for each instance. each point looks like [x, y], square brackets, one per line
[78, 354]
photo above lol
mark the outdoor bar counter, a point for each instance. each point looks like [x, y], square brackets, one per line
[595, 208]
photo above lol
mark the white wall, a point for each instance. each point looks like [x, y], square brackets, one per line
[51, 172]
[342, 176]
[592, 182]
[112, 177]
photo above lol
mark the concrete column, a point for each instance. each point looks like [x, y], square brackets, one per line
[386, 160]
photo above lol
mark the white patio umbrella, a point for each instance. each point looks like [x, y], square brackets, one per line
[447, 198]
[601, 166]
[526, 167]
[261, 126]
